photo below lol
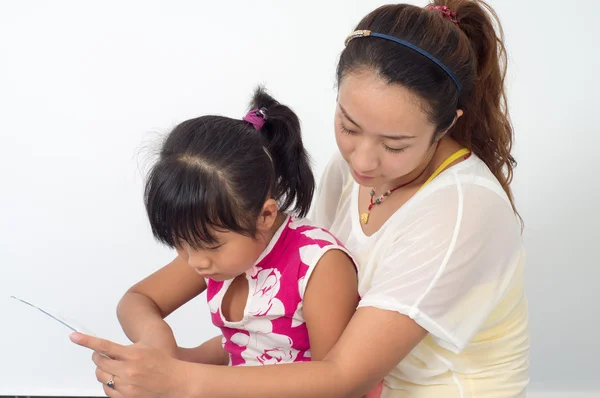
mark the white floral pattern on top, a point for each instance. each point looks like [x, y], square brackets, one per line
[263, 298]
[273, 329]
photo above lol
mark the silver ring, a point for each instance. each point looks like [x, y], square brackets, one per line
[111, 383]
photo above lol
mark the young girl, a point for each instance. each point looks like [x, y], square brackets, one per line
[224, 194]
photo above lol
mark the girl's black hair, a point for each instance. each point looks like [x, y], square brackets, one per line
[215, 173]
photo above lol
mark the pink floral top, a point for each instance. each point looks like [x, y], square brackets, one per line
[273, 330]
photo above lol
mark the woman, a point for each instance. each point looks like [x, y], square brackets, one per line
[420, 194]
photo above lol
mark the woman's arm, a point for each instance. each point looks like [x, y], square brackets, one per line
[374, 342]
[330, 300]
[446, 257]
[144, 306]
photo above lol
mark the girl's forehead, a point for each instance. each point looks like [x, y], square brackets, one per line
[378, 107]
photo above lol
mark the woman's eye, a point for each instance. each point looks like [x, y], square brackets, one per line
[345, 130]
[394, 150]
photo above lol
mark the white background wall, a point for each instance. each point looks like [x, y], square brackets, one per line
[87, 87]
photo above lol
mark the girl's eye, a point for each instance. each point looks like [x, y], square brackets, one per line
[394, 150]
[214, 248]
[345, 130]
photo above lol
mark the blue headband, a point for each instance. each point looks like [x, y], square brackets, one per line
[363, 33]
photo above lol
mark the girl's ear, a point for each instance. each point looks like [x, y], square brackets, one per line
[267, 216]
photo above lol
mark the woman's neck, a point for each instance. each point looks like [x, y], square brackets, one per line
[419, 175]
[435, 156]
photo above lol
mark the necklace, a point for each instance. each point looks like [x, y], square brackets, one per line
[364, 218]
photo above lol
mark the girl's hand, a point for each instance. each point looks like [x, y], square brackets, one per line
[160, 336]
[211, 352]
[138, 370]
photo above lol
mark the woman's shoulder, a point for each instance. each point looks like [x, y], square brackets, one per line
[465, 201]
[470, 178]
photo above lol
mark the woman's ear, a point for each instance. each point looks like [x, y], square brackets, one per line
[459, 113]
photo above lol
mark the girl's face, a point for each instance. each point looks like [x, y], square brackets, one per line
[381, 129]
[234, 253]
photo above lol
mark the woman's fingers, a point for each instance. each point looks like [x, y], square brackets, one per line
[111, 392]
[106, 347]
[107, 364]
[138, 370]
[104, 378]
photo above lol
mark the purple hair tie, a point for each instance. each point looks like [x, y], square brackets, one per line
[256, 117]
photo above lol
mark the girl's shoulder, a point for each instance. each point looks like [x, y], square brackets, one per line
[311, 243]
[305, 233]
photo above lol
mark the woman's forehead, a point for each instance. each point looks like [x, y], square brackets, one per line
[381, 108]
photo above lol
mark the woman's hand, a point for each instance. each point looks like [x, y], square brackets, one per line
[138, 370]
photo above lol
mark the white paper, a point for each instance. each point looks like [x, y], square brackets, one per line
[70, 324]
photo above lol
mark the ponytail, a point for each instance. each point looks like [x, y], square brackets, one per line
[294, 180]
[485, 126]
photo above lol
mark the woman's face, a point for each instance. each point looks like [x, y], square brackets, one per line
[380, 129]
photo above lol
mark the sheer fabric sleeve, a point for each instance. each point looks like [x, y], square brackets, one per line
[329, 192]
[450, 263]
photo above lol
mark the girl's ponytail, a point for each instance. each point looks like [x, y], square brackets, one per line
[294, 180]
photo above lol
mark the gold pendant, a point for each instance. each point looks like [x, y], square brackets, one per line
[364, 218]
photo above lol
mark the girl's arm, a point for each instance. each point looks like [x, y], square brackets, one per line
[210, 352]
[144, 306]
[374, 342]
[330, 300]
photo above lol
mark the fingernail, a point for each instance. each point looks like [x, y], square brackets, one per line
[74, 337]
